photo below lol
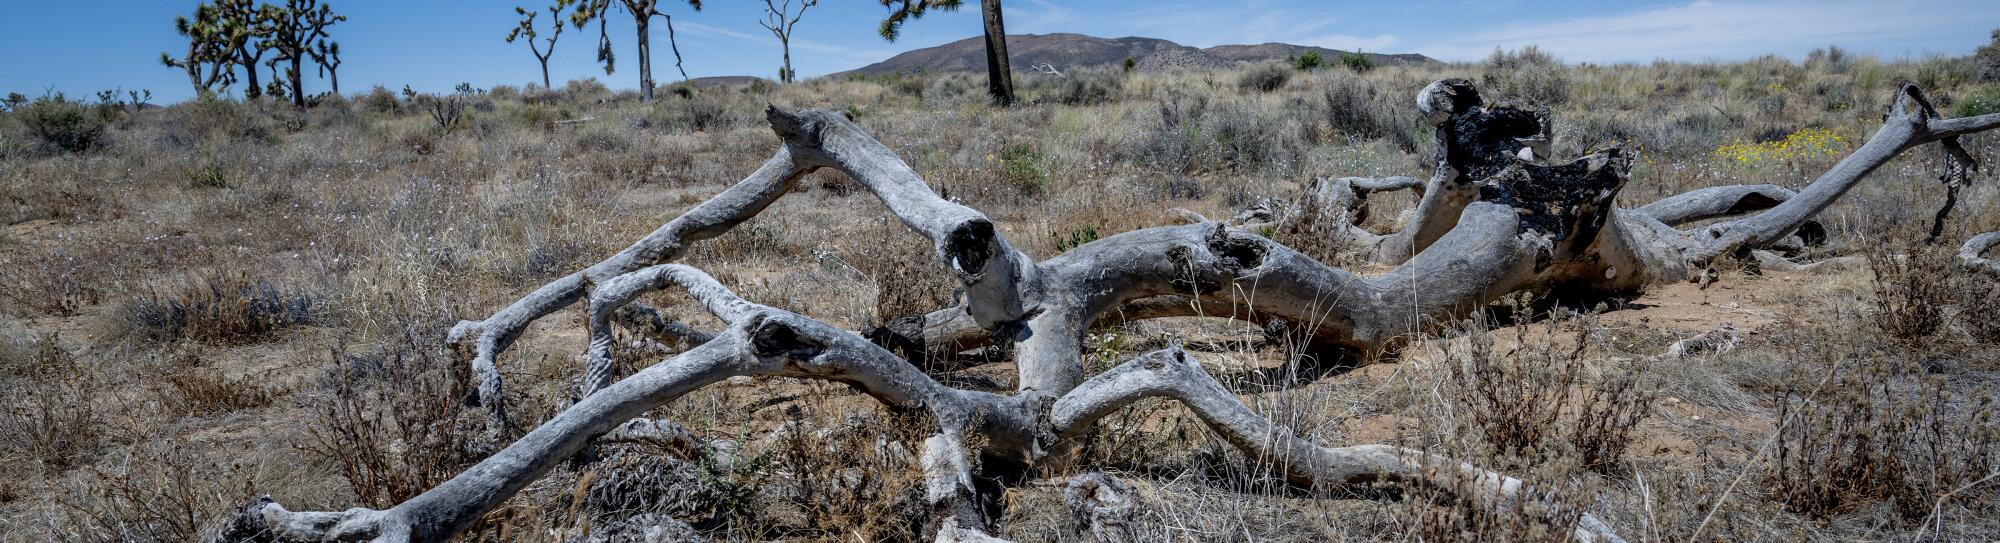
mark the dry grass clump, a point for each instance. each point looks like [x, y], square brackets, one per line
[1534, 401]
[166, 491]
[1355, 107]
[190, 387]
[225, 307]
[52, 280]
[843, 476]
[1856, 428]
[394, 420]
[1543, 410]
[1267, 77]
[52, 408]
[1528, 74]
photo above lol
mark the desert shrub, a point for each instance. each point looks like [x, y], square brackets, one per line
[1354, 107]
[539, 116]
[188, 386]
[379, 100]
[52, 410]
[1176, 144]
[1942, 72]
[394, 419]
[1309, 61]
[854, 477]
[1357, 62]
[1533, 412]
[1980, 311]
[1319, 230]
[1914, 286]
[54, 281]
[207, 176]
[1074, 238]
[64, 125]
[1979, 102]
[602, 138]
[638, 479]
[1830, 59]
[1987, 58]
[1537, 402]
[697, 114]
[903, 268]
[1856, 428]
[447, 113]
[1079, 89]
[1023, 166]
[1245, 140]
[1264, 78]
[163, 490]
[221, 308]
[420, 141]
[584, 91]
[1528, 74]
[205, 119]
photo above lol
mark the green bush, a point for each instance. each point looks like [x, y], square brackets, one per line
[1987, 59]
[1025, 166]
[207, 176]
[1983, 101]
[1357, 62]
[1264, 78]
[64, 125]
[1079, 89]
[1309, 61]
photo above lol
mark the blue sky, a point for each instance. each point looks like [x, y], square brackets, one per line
[435, 44]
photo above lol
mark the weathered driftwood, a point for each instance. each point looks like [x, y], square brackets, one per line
[1625, 251]
[1494, 218]
[1972, 255]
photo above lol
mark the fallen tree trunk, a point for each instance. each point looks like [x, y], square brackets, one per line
[1500, 219]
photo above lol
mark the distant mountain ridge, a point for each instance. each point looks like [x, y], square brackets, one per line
[1066, 51]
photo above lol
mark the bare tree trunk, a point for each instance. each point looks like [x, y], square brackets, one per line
[645, 23]
[249, 63]
[298, 80]
[999, 75]
[786, 44]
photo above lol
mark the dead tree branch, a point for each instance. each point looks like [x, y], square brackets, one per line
[1495, 217]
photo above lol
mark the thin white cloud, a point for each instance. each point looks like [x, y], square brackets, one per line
[1705, 29]
[699, 29]
[1376, 44]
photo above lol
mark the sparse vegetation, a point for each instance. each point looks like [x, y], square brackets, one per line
[232, 280]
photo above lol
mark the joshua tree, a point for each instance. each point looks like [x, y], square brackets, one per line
[779, 19]
[292, 31]
[208, 61]
[527, 30]
[999, 75]
[225, 35]
[1495, 217]
[327, 55]
[643, 12]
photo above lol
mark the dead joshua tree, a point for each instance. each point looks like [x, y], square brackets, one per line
[779, 18]
[1492, 221]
